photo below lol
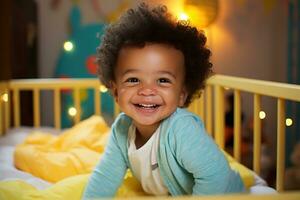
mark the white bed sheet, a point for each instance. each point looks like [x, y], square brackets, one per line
[8, 143]
[16, 136]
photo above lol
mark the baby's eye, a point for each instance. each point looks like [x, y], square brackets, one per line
[164, 80]
[132, 80]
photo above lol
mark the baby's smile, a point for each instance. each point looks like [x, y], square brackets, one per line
[147, 106]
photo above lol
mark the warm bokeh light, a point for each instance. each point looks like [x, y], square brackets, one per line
[288, 122]
[5, 97]
[103, 89]
[262, 115]
[72, 111]
[183, 16]
[201, 13]
[68, 46]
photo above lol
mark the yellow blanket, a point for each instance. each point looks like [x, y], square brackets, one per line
[74, 152]
[69, 188]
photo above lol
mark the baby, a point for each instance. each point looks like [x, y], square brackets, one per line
[154, 67]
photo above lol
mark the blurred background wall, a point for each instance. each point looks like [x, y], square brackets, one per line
[248, 37]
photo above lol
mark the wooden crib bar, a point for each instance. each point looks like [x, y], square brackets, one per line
[266, 88]
[4, 107]
[237, 126]
[219, 116]
[36, 107]
[280, 144]
[208, 109]
[16, 107]
[57, 108]
[77, 104]
[97, 101]
[257, 133]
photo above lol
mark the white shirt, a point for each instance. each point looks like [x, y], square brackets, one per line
[144, 163]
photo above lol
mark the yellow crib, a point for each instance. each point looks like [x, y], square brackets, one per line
[210, 107]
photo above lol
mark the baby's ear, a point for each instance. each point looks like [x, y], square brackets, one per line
[182, 97]
[114, 90]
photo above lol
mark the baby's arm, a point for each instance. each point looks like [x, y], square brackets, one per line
[201, 157]
[108, 174]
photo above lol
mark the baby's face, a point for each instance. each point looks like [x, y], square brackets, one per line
[149, 82]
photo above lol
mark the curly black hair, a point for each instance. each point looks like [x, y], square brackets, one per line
[142, 25]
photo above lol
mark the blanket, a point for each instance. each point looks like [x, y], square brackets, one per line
[75, 151]
[67, 160]
[68, 188]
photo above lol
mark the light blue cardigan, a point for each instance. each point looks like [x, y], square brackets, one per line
[189, 161]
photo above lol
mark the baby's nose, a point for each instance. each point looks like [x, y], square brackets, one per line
[147, 91]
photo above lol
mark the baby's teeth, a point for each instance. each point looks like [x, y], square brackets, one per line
[147, 105]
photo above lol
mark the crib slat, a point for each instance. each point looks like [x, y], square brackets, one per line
[280, 145]
[195, 107]
[1, 118]
[97, 101]
[237, 125]
[7, 111]
[57, 106]
[257, 134]
[208, 110]
[2, 86]
[16, 107]
[191, 107]
[219, 116]
[36, 107]
[201, 107]
[77, 104]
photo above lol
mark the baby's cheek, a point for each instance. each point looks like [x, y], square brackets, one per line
[122, 91]
[123, 94]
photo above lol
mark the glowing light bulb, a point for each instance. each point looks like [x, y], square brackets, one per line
[5, 97]
[103, 89]
[68, 46]
[262, 115]
[183, 16]
[72, 111]
[288, 122]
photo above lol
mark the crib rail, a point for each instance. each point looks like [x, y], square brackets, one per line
[210, 107]
[56, 85]
[280, 91]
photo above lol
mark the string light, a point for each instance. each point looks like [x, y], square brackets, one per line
[103, 89]
[68, 46]
[288, 122]
[5, 97]
[262, 115]
[72, 111]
